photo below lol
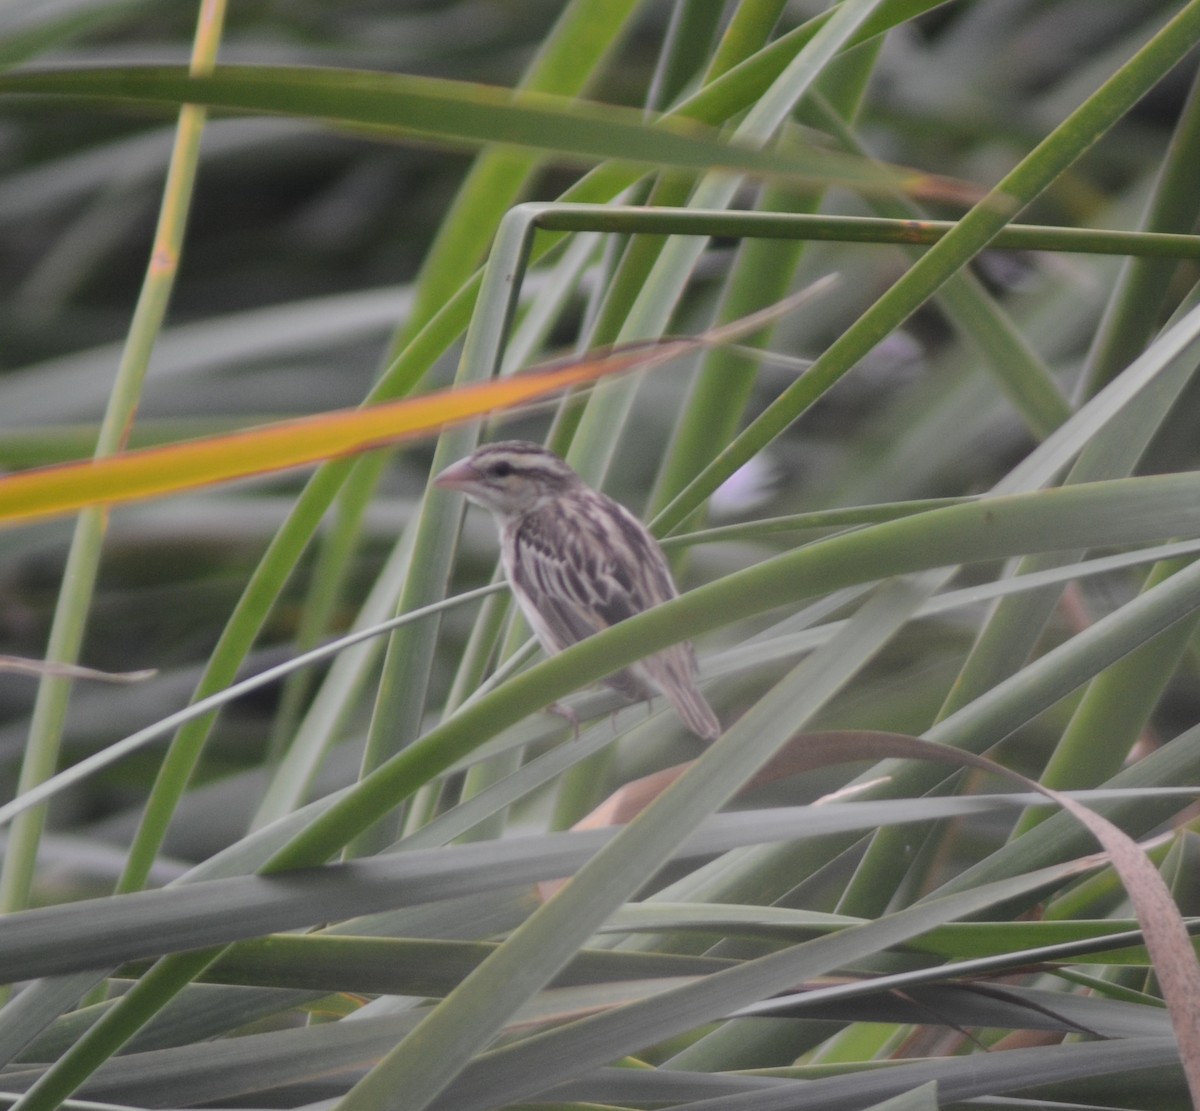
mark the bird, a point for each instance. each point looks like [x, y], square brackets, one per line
[579, 562]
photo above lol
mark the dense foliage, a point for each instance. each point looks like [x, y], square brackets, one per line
[953, 497]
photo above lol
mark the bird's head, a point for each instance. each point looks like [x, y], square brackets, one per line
[509, 478]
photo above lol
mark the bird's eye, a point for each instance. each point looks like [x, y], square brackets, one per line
[500, 469]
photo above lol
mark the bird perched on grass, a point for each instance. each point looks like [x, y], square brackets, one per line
[579, 562]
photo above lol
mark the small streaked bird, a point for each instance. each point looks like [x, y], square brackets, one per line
[579, 562]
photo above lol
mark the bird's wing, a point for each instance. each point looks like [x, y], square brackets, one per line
[577, 571]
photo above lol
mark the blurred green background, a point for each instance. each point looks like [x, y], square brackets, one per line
[308, 246]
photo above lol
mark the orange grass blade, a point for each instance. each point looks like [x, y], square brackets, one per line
[154, 472]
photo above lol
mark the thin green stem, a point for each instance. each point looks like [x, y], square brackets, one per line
[79, 577]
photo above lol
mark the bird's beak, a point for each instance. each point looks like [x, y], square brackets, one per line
[458, 476]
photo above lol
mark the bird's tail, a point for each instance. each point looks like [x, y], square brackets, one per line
[695, 711]
[674, 673]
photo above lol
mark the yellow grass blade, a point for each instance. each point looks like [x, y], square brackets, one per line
[154, 472]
